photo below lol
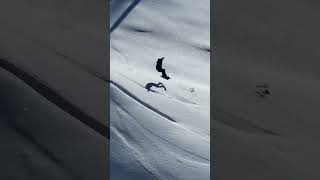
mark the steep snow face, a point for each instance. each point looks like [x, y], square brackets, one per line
[161, 134]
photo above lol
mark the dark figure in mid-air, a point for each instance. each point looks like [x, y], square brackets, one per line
[160, 69]
[262, 90]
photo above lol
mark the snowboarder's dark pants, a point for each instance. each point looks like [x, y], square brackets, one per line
[163, 71]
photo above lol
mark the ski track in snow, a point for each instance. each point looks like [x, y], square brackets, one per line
[132, 115]
[166, 146]
[161, 134]
[176, 98]
[142, 102]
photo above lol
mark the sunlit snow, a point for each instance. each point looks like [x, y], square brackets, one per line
[161, 134]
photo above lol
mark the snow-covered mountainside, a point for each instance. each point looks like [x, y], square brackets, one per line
[161, 134]
[274, 43]
[53, 72]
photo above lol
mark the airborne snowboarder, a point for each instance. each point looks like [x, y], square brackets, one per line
[160, 69]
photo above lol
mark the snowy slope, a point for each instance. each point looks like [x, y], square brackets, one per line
[65, 36]
[61, 45]
[161, 134]
[276, 137]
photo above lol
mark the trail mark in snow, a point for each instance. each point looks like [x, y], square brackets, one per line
[55, 98]
[142, 102]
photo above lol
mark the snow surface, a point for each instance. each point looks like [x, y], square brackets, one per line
[276, 137]
[161, 134]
